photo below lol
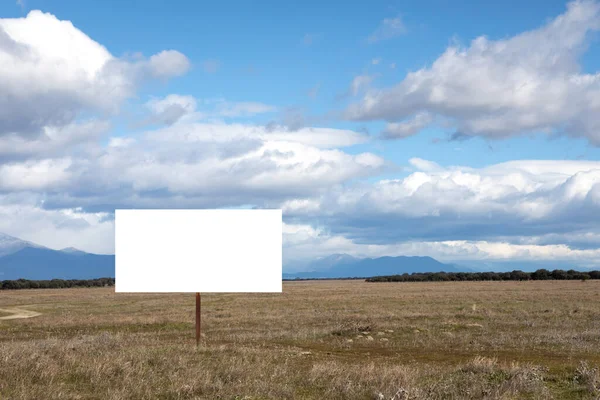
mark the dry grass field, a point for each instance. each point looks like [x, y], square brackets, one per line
[316, 340]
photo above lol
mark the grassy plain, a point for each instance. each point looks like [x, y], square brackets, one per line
[316, 340]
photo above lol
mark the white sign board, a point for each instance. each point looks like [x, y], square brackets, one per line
[198, 251]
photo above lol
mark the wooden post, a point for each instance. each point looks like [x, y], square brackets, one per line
[198, 319]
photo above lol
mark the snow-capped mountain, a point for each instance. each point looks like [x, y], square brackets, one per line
[23, 259]
[10, 244]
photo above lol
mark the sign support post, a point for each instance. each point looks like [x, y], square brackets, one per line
[198, 315]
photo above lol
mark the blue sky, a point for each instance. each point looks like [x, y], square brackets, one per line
[259, 48]
[477, 118]
[323, 47]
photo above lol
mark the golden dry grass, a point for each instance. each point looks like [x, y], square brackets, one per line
[316, 340]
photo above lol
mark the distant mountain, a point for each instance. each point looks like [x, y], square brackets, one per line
[72, 250]
[10, 244]
[334, 260]
[22, 259]
[345, 266]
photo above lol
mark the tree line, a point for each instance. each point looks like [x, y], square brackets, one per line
[517, 275]
[55, 283]
[539, 275]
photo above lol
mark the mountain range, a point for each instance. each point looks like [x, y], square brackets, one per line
[346, 266]
[23, 259]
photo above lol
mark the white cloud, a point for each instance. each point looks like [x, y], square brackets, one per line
[359, 83]
[375, 61]
[304, 243]
[520, 210]
[170, 109]
[168, 63]
[174, 108]
[242, 109]
[52, 72]
[228, 133]
[424, 165]
[35, 175]
[531, 82]
[188, 103]
[398, 130]
[388, 29]
[257, 168]
[192, 162]
[52, 141]
[295, 205]
[185, 165]
[59, 181]
[508, 201]
[120, 142]
[57, 229]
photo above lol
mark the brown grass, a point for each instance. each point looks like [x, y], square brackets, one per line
[316, 340]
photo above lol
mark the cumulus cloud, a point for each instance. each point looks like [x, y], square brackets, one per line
[531, 82]
[271, 169]
[190, 161]
[507, 202]
[304, 243]
[120, 141]
[388, 29]
[520, 210]
[170, 109]
[52, 72]
[399, 130]
[323, 138]
[296, 118]
[35, 175]
[185, 165]
[51, 141]
[61, 177]
[168, 63]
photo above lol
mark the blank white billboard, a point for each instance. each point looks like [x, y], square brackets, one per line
[198, 251]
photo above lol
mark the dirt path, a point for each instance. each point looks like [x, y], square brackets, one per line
[18, 313]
